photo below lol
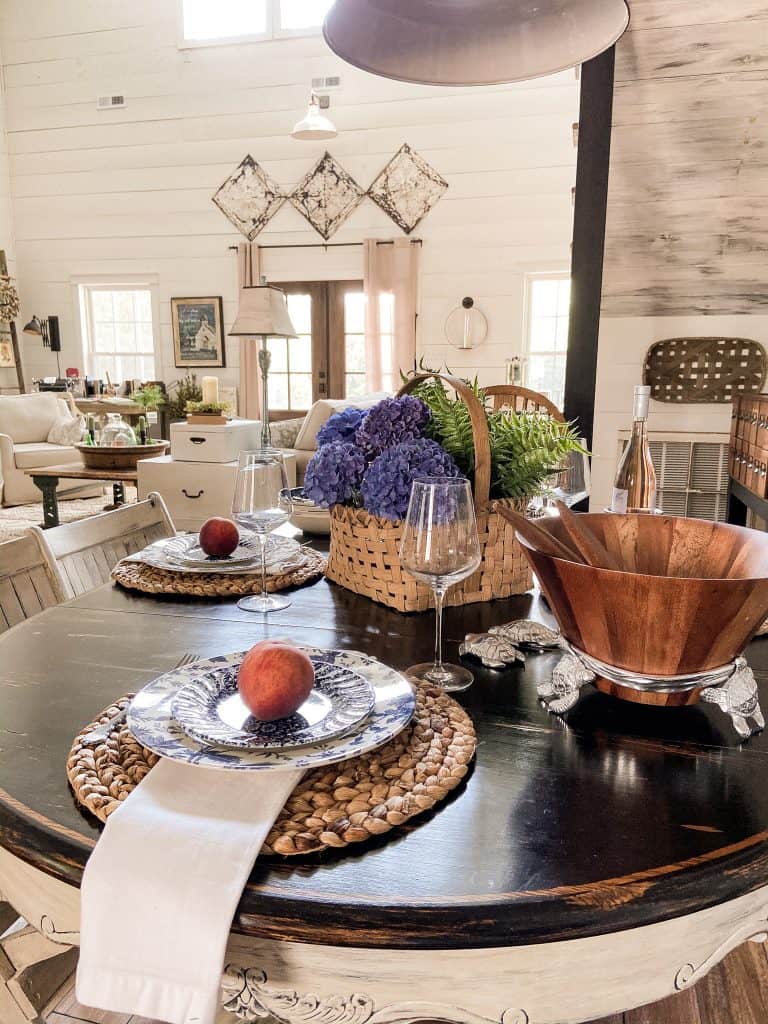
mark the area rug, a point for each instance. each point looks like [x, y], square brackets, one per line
[15, 521]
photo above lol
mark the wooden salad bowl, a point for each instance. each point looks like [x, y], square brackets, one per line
[692, 595]
[95, 457]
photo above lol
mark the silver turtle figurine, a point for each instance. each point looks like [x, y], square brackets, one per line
[738, 698]
[493, 651]
[562, 691]
[526, 632]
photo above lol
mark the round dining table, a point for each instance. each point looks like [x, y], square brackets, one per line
[585, 866]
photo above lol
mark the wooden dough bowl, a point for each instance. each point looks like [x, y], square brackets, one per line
[119, 458]
[692, 597]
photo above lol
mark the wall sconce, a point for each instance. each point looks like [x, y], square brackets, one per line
[466, 326]
[48, 330]
[315, 125]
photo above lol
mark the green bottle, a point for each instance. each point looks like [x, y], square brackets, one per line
[142, 430]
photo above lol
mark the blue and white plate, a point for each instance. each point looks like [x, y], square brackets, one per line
[151, 721]
[209, 708]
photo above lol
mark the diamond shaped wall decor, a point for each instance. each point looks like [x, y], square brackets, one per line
[407, 188]
[249, 198]
[326, 196]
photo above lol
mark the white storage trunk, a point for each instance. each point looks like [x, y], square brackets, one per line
[195, 491]
[218, 443]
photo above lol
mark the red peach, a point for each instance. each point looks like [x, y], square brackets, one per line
[219, 537]
[274, 680]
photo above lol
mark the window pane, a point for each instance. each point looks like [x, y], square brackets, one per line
[125, 337]
[564, 298]
[546, 373]
[296, 14]
[104, 338]
[142, 306]
[561, 337]
[145, 338]
[301, 390]
[123, 306]
[206, 20]
[278, 390]
[354, 312]
[279, 349]
[544, 295]
[543, 332]
[102, 305]
[300, 311]
[355, 353]
[300, 350]
[355, 385]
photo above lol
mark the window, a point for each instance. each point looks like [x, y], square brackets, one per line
[549, 299]
[205, 22]
[118, 333]
[327, 360]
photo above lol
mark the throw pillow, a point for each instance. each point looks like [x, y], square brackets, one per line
[67, 430]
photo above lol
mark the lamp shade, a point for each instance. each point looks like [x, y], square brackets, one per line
[472, 42]
[314, 125]
[33, 327]
[263, 311]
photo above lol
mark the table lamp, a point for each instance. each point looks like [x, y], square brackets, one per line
[263, 313]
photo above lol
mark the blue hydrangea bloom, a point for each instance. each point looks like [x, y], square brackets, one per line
[334, 474]
[342, 426]
[386, 486]
[393, 421]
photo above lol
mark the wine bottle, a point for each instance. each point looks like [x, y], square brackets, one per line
[634, 489]
[142, 430]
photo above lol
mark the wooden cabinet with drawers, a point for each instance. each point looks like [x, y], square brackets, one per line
[749, 443]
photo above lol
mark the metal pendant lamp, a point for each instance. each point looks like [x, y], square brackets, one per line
[472, 42]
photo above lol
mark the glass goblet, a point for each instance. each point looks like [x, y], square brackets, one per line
[261, 503]
[440, 547]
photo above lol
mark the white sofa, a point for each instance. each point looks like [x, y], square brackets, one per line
[25, 422]
[299, 436]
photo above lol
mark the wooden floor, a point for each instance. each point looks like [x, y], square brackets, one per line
[734, 992]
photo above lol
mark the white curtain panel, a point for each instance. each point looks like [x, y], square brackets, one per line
[390, 270]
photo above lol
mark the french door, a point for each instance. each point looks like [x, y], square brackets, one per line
[327, 359]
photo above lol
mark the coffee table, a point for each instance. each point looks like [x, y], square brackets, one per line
[47, 479]
[584, 868]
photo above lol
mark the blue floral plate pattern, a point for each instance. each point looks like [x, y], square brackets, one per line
[209, 709]
[151, 721]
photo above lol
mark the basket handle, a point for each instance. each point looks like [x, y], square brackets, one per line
[479, 422]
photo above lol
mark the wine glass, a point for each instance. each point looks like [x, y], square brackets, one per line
[440, 547]
[261, 503]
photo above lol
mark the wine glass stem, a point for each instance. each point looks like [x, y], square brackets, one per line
[263, 542]
[439, 595]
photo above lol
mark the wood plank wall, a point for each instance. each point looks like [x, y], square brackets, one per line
[128, 191]
[687, 226]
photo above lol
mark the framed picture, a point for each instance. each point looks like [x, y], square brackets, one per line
[198, 332]
[6, 351]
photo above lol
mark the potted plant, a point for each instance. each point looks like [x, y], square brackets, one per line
[367, 460]
[207, 412]
[150, 397]
[180, 392]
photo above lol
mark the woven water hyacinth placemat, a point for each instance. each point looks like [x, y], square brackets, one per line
[332, 806]
[151, 580]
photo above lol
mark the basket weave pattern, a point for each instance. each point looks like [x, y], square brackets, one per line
[365, 559]
[333, 806]
[365, 550]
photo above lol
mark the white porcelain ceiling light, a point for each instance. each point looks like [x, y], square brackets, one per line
[314, 126]
[472, 42]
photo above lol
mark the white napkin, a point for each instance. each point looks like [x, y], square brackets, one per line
[162, 886]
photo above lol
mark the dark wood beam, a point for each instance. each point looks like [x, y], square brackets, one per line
[595, 117]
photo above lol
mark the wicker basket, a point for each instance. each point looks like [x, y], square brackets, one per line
[365, 557]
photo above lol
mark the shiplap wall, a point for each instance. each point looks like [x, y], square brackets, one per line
[127, 192]
[8, 380]
[687, 227]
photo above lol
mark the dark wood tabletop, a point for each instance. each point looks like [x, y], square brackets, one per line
[624, 816]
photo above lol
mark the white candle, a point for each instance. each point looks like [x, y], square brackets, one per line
[210, 389]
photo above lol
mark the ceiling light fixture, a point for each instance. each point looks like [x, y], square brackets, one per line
[472, 42]
[314, 126]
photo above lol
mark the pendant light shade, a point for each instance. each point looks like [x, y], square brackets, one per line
[472, 42]
[314, 125]
[263, 311]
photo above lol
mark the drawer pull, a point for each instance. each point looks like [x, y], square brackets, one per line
[194, 497]
[198, 440]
